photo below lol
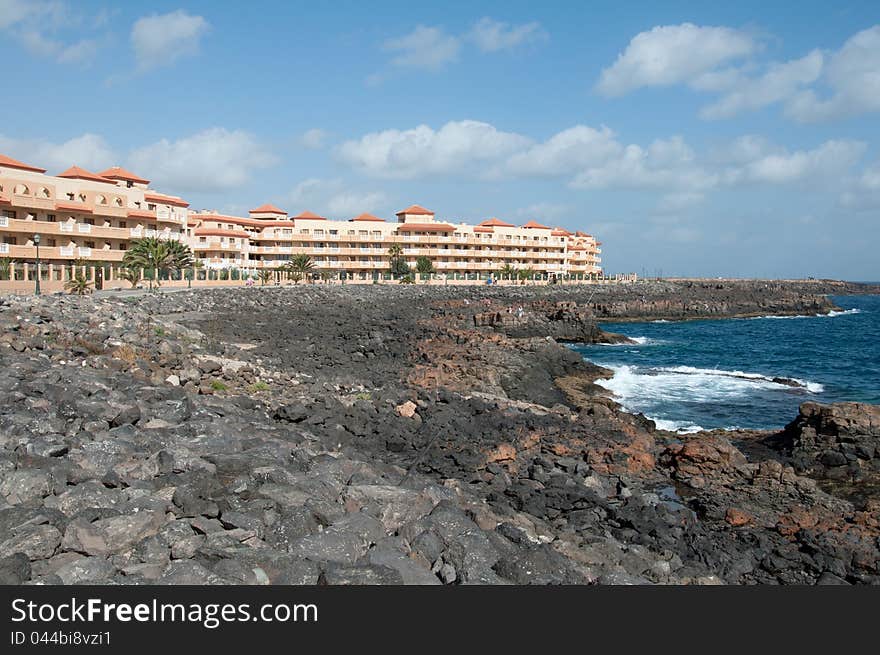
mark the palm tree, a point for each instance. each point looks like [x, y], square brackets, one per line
[327, 275]
[398, 265]
[159, 256]
[5, 267]
[265, 276]
[131, 275]
[509, 271]
[424, 266]
[524, 274]
[79, 285]
[300, 265]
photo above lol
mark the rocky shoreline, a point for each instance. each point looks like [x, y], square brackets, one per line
[416, 435]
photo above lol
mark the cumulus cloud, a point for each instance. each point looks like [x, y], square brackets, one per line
[160, 40]
[827, 161]
[89, 151]
[596, 159]
[425, 48]
[819, 86]
[673, 54]
[335, 199]
[432, 48]
[456, 148]
[313, 139]
[212, 160]
[853, 77]
[492, 36]
[571, 149]
[778, 83]
[547, 211]
[37, 23]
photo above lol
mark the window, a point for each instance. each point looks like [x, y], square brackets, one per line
[10, 240]
[45, 193]
[89, 244]
[123, 246]
[123, 224]
[50, 243]
[8, 213]
[304, 231]
[51, 218]
[151, 207]
[129, 184]
[70, 196]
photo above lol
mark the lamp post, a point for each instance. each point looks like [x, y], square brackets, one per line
[37, 281]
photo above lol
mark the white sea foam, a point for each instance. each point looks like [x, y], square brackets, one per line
[845, 312]
[639, 341]
[682, 427]
[640, 389]
[831, 314]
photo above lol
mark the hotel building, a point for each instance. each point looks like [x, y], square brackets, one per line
[93, 217]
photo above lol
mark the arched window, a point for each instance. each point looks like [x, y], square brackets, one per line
[22, 190]
[100, 200]
[82, 197]
[45, 193]
[117, 201]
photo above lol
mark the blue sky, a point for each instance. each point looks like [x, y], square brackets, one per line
[691, 139]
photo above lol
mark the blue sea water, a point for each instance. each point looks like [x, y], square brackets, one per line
[693, 375]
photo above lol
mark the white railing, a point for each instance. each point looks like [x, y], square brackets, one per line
[65, 227]
[150, 233]
[4, 248]
[84, 228]
[285, 249]
[136, 232]
[85, 252]
[66, 251]
[4, 221]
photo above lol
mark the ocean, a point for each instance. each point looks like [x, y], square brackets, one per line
[737, 373]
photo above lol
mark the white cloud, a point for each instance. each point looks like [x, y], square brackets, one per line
[352, 203]
[159, 40]
[778, 83]
[853, 76]
[547, 211]
[825, 163]
[569, 150]
[334, 198]
[677, 202]
[673, 54]
[212, 160]
[35, 23]
[89, 151]
[492, 36]
[313, 139]
[458, 147]
[664, 164]
[425, 48]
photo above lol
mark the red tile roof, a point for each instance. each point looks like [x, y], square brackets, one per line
[213, 232]
[582, 234]
[415, 209]
[534, 225]
[425, 227]
[73, 207]
[252, 222]
[9, 162]
[141, 213]
[494, 222]
[368, 217]
[162, 199]
[77, 173]
[559, 232]
[4, 200]
[119, 173]
[267, 209]
[311, 216]
[483, 229]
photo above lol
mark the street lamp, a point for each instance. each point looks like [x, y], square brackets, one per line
[37, 281]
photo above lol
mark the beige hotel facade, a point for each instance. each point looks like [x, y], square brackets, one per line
[92, 217]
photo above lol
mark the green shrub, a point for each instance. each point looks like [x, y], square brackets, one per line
[216, 385]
